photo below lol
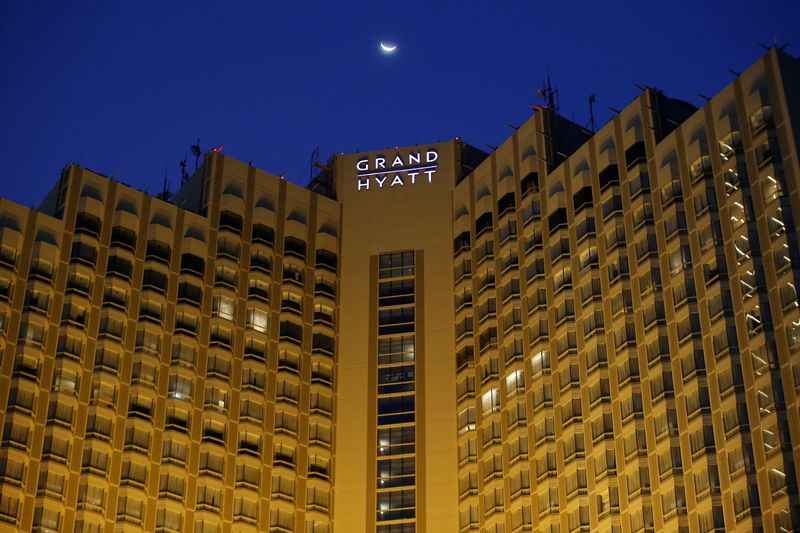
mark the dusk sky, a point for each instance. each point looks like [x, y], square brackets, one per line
[126, 87]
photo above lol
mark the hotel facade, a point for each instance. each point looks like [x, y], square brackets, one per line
[577, 332]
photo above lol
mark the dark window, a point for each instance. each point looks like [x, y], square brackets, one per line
[634, 153]
[86, 223]
[260, 261]
[529, 183]
[190, 293]
[608, 176]
[192, 264]
[158, 251]
[461, 243]
[294, 246]
[153, 279]
[505, 203]
[231, 221]
[227, 247]
[395, 379]
[123, 237]
[396, 320]
[327, 259]
[483, 223]
[557, 220]
[396, 292]
[396, 264]
[263, 234]
[291, 331]
[582, 198]
[323, 343]
[118, 266]
[84, 253]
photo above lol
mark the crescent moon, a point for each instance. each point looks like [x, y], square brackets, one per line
[388, 48]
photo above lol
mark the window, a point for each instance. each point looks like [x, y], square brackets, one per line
[466, 420]
[216, 398]
[45, 519]
[211, 463]
[180, 387]
[95, 461]
[183, 354]
[251, 411]
[148, 341]
[143, 373]
[133, 473]
[171, 485]
[137, 438]
[209, 498]
[490, 401]
[257, 319]
[248, 476]
[9, 508]
[173, 451]
[221, 336]
[223, 307]
[245, 510]
[168, 520]
[283, 455]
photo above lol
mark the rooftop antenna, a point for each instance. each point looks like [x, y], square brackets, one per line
[592, 123]
[196, 153]
[775, 45]
[550, 96]
[184, 174]
[165, 194]
[313, 163]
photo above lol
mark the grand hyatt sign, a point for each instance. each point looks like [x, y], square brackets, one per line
[379, 172]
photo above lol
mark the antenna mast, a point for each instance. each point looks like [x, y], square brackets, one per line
[592, 123]
[313, 163]
[550, 96]
[196, 152]
[165, 193]
[184, 174]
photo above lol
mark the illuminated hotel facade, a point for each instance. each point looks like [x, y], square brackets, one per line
[576, 332]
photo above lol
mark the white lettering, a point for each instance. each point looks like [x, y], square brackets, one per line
[406, 168]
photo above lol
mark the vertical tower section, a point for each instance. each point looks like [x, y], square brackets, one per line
[397, 406]
[396, 428]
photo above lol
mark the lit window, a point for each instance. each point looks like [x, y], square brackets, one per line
[223, 307]
[257, 320]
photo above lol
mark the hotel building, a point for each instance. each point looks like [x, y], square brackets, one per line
[577, 332]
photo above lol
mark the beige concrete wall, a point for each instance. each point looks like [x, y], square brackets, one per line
[382, 219]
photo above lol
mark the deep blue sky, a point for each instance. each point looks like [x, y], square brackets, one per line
[127, 87]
